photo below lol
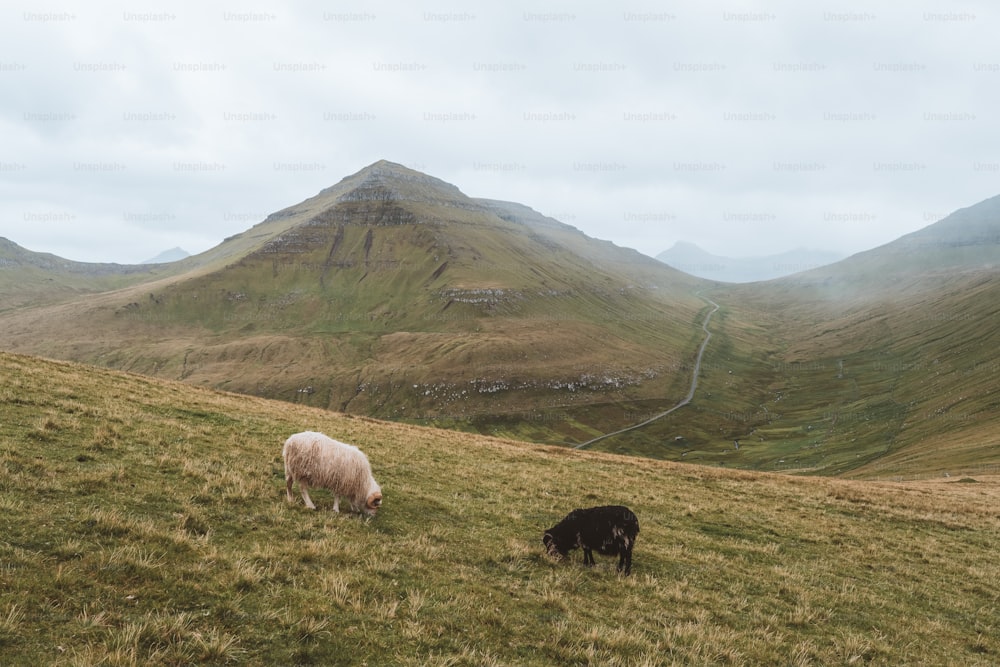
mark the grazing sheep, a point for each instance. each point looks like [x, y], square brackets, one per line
[609, 530]
[313, 459]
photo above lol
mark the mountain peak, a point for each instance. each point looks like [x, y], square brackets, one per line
[686, 248]
[385, 164]
[173, 255]
[389, 181]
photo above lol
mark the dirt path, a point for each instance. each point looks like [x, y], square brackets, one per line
[686, 399]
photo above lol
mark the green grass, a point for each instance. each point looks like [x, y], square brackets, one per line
[144, 522]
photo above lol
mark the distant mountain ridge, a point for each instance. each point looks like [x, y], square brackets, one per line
[690, 258]
[35, 278]
[976, 225]
[966, 240]
[11, 254]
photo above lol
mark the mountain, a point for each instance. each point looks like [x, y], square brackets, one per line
[689, 258]
[391, 293]
[173, 255]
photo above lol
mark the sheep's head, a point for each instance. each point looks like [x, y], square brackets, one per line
[373, 503]
[552, 546]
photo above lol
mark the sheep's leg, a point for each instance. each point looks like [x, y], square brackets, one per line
[336, 503]
[288, 489]
[304, 489]
[626, 560]
[588, 556]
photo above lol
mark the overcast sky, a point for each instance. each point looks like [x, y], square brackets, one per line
[130, 128]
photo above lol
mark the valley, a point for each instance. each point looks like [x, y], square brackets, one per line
[885, 392]
[695, 372]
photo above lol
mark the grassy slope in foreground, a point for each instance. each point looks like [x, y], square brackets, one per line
[144, 522]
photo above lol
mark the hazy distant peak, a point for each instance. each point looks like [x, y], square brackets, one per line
[173, 255]
[685, 249]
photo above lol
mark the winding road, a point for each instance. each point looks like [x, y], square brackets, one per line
[686, 399]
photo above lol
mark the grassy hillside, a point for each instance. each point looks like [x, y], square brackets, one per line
[859, 388]
[881, 365]
[30, 278]
[144, 523]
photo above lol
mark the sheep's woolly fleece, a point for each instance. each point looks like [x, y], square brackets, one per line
[314, 459]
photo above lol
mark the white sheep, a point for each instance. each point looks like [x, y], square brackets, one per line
[313, 459]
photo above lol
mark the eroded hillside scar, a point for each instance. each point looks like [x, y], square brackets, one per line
[368, 244]
[337, 240]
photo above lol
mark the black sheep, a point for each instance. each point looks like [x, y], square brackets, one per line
[609, 530]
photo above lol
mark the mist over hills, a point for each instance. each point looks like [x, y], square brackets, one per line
[393, 294]
[886, 357]
[964, 241]
[692, 259]
[971, 226]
